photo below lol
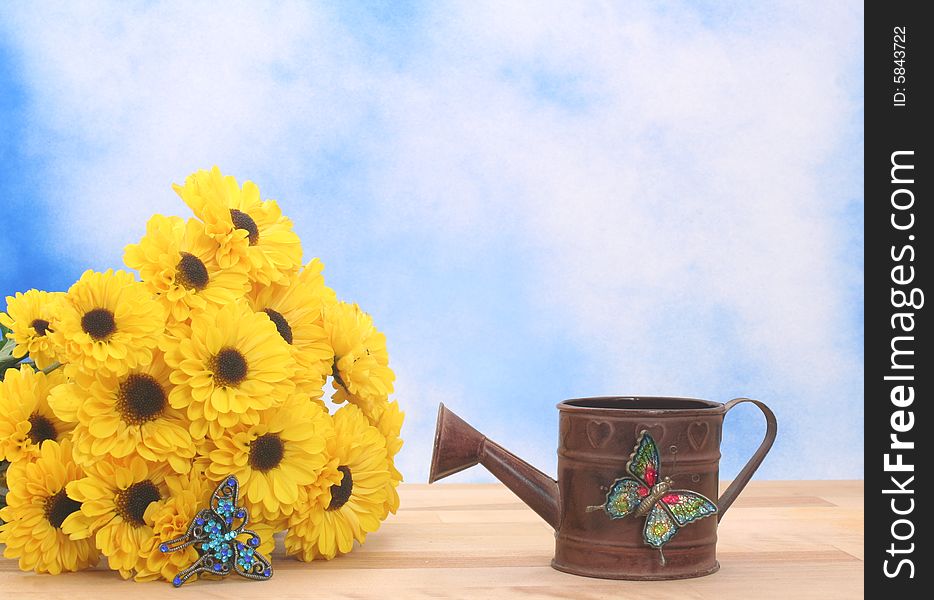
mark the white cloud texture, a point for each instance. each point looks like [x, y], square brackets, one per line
[668, 187]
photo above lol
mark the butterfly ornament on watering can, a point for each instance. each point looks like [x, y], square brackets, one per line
[647, 494]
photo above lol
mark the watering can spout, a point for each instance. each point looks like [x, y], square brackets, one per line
[459, 446]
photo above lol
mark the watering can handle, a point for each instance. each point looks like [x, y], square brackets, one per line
[771, 429]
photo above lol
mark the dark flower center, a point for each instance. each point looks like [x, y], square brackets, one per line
[98, 323]
[140, 399]
[41, 326]
[41, 428]
[266, 452]
[282, 326]
[132, 502]
[241, 220]
[340, 493]
[191, 273]
[58, 507]
[229, 367]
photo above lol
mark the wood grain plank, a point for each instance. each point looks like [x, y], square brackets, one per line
[780, 540]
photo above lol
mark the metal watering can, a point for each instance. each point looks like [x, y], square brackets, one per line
[636, 476]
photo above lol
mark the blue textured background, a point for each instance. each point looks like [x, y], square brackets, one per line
[536, 201]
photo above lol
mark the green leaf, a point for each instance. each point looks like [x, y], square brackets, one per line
[7, 360]
[6, 347]
[6, 365]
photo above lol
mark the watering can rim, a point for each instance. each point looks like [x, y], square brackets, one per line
[622, 405]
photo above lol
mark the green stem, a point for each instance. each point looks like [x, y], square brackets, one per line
[51, 367]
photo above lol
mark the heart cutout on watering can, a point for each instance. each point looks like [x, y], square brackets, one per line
[657, 431]
[599, 432]
[697, 434]
[565, 433]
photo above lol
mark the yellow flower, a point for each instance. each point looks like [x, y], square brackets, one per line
[272, 459]
[248, 229]
[119, 498]
[38, 509]
[361, 363]
[312, 276]
[188, 494]
[108, 321]
[229, 365]
[295, 310]
[347, 501]
[123, 415]
[32, 318]
[26, 420]
[390, 426]
[177, 262]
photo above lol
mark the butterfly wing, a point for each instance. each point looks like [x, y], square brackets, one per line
[196, 533]
[644, 461]
[624, 497]
[659, 527]
[225, 493]
[686, 506]
[202, 565]
[248, 562]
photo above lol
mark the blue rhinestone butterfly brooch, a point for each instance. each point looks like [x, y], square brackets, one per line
[644, 494]
[214, 532]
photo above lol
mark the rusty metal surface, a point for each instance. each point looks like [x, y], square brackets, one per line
[596, 437]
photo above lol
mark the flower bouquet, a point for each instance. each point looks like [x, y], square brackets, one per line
[126, 403]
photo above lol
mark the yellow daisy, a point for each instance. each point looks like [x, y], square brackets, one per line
[122, 415]
[26, 420]
[272, 459]
[188, 494]
[390, 426]
[177, 262]
[37, 511]
[31, 318]
[248, 229]
[229, 365]
[119, 498]
[347, 501]
[296, 312]
[312, 276]
[108, 321]
[361, 363]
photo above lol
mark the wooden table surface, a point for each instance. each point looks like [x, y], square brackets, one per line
[801, 539]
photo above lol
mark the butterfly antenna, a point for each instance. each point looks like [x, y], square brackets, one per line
[591, 509]
[661, 556]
